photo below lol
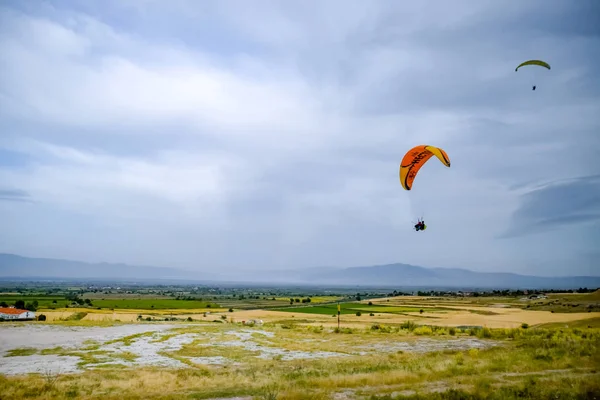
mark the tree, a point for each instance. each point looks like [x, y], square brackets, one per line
[3, 304]
[358, 313]
[370, 303]
[231, 310]
[41, 317]
[20, 304]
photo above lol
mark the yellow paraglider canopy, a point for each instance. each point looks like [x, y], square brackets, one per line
[534, 62]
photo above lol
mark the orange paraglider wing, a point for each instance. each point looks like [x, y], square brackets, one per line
[415, 158]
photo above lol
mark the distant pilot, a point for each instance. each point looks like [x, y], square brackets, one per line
[420, 226]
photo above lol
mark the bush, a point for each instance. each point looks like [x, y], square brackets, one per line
[371, 315]
[231, 310]
[409, 325]
[381, 328]
[524, 325]
[452, 331]
[484, 333]
[358, 313]
[423, 330]
[316, 329]
[41, 317]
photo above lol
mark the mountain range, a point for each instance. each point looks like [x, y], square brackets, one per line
[385, 276]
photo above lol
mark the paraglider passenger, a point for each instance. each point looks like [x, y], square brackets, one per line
[420, 226]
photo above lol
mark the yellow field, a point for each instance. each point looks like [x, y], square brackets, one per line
[519, 353]
[491, 315]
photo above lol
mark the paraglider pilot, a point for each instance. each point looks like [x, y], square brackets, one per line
[533, 87]
[420, 225]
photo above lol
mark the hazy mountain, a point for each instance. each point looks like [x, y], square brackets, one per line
[16, 266]
[391, 276]
[414, 276]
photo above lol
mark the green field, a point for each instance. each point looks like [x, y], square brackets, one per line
[249, 304]
[44, 301]
[48, 302]
[152, 304]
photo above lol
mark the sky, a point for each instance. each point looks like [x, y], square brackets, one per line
[245, 135]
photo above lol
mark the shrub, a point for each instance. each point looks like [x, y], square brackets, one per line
[423, 330]
[524, 325]
[358, 313]
[41, 317]
[409, 325]
[485, 333]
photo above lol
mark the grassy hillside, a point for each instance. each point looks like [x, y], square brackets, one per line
[523, 364]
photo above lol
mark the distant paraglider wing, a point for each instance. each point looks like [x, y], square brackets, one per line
[534, 62]
[415, 158]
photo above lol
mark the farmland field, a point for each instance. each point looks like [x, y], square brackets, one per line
[44, 301]
[156, 304]
[452, 350]
[283, 360]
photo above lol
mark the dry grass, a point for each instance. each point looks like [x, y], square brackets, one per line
[530, 363]
[563, 358]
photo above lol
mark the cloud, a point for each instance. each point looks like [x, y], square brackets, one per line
[571, 202]
[13, 195]
[229, 135]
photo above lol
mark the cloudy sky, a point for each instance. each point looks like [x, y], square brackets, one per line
[268, 134]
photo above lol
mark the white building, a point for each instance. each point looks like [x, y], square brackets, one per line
[15, 313]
